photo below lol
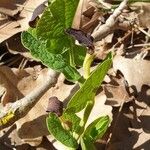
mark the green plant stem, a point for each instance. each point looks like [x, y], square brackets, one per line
[86, 115]
[71, 55]
[87, 64]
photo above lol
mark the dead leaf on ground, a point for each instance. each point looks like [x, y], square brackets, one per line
[130, 126]
[15, 46]
[119, 128]
[16, 83]
[16, 16]
[143, 13]
[128, 131]
[9, 7]
[136, 72]
[10, 140]
[8, 82]
[87, 17]
[117, 91]
[138, 140]
[19, 82]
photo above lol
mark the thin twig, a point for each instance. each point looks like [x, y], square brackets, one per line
[110, 24]
[142, 30]
[122, 39]
[139, 45]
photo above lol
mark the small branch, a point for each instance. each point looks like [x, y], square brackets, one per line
[110, 24]
[13, 112]
[142, 30]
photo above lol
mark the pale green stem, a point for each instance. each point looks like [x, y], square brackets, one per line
[71, 55]
[87, 64]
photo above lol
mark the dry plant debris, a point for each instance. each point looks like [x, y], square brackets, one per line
[26, 86]
[15, 15]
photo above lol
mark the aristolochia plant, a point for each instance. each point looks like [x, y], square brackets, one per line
[54, 48]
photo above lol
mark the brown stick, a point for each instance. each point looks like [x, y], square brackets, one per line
[110, 24]
[15, 111]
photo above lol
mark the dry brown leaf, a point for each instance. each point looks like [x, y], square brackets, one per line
[9, 7]
[8, 29]
[143, 13]
[15, 46]
[89, 25]
[131, 125]
[101, 47]
[140, 118]
[86, 17]
[30, 78]
[9, 140]
[116, 91]
[8, 82]
[143, 139]
[78, 15]
[136, 72]
[119, 129]
[138, 140]
[11, 24]
[130, 130]
[16, 83]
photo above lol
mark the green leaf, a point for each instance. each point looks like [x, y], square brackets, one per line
[87, 112]
[62, 135]
[40, 51]
[86, 144]
[55, 19]
[96, 129]
[88, 90]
